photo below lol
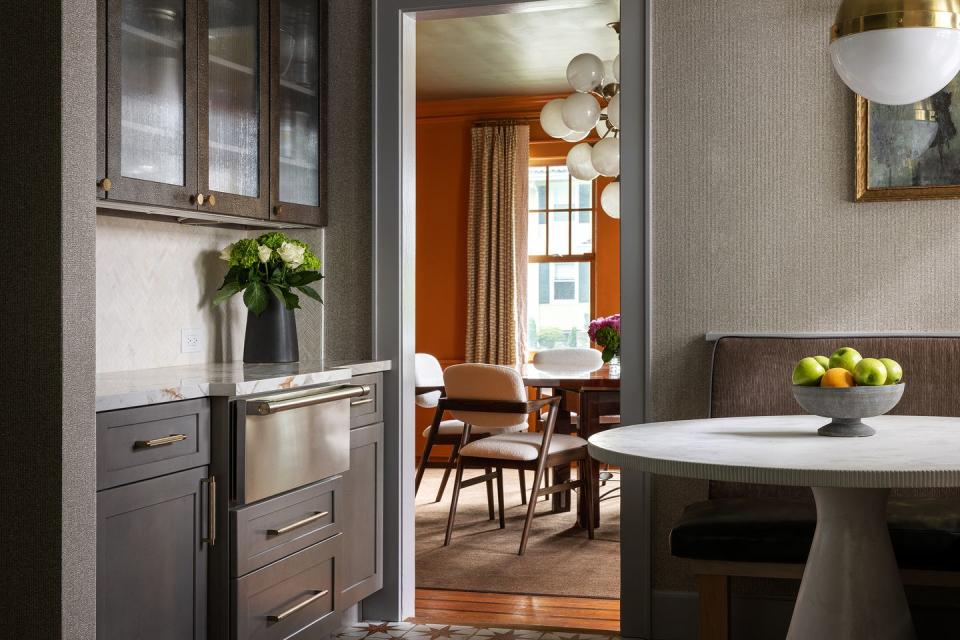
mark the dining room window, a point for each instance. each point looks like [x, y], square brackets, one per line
[560, 240]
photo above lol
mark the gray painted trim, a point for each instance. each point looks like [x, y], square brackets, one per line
[713, 336]
[636, 307]
[394, 272]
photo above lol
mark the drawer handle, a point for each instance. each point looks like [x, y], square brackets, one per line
[159, 442]
[267, 406]
[292, 610]
[211, 538]
[296, 525]
[357, 403]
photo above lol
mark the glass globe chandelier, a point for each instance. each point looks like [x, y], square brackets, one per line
[896, 51]
[594, 105]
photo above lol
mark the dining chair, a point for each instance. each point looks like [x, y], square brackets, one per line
[485, 396]
[428, 379]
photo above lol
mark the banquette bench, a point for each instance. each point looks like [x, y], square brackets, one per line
[761, 531]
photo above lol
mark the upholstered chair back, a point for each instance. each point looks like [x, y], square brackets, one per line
[569, 359]
[427, 372]
[485, 382]
[751, 376]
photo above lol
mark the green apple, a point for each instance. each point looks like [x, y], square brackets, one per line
[808, 372]
[894, 370]
[870, 372]
[823, 360]
[845, 358]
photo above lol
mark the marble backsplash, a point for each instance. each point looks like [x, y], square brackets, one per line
[155, 278]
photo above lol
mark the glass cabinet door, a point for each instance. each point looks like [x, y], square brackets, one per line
[297, 111]
[233, 108]
[151, 100]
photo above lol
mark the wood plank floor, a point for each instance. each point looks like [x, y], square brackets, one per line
[554, 612]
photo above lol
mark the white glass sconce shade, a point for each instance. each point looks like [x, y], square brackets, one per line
[606, 157]
[585, 72]
[580, 162]
[551, 119]
[580, 111]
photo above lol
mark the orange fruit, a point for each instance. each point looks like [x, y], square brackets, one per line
[837, 377]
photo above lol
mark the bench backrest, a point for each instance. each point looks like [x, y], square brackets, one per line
[751, 376]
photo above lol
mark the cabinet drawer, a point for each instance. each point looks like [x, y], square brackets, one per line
[270, 530]
[146, 442]
[292, 598]
[369, 408]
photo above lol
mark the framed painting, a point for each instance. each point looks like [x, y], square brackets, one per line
[909, 152]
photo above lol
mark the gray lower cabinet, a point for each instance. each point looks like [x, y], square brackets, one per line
[361, 554]
[151, 559]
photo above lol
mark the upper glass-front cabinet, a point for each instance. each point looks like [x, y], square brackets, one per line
[214, 105]
[297, 57]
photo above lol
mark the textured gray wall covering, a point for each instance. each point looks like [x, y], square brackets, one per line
[348, 247]
[755, 228]
[47, 492]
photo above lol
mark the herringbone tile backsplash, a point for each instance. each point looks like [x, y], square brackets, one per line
[155, 278]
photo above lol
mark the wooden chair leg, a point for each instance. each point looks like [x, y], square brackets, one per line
[489, 483]
[523, 486]
[451, 465]
[457, 479]
[503, 519]
[714, 596]
[585, 472]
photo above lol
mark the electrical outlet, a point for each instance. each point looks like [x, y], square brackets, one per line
[191, 341]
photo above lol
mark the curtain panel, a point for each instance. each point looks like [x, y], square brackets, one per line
[497, 243]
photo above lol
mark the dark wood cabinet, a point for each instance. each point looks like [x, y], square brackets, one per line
[152, 558]
[361, 555]
[213, 105]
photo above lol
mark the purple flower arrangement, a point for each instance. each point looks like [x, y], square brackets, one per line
[605, 332]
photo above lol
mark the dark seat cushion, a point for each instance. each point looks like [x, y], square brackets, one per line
[925, 531]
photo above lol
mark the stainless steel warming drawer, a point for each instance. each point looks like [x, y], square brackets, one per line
[287, 440]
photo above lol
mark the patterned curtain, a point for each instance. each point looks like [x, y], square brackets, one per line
[497, 243]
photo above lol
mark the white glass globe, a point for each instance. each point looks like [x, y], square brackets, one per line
[610, 199]
[897, 66]
[606, 157]
[613, 111]
[616, 67]
[608, 76]
[551, 119]
[580, 163]
[585, 72]
[576, 136]
[580, 111]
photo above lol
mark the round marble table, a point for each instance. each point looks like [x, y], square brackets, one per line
[851, 586]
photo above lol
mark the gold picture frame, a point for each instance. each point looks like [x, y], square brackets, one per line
[864, 193]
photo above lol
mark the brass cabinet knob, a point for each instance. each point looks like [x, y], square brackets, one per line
[197, 199]
[105, 184]
[278, 210]
[212, 200]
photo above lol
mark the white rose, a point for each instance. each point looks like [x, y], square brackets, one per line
[292, 254]
[264, 252]
[225, 254]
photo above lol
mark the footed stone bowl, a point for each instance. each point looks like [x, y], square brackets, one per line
[847, 407]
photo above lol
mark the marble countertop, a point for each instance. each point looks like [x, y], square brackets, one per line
[907, 451]
[123, 389]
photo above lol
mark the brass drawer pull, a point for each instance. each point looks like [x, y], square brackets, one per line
[292, 610]
[211, 538]
[296, 525]
[357, 403]
[159, 442]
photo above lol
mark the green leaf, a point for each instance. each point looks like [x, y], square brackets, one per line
[301, 278]
[310, 291]
[255, 297]
[226, 291]
[291, 299]
[277, 292]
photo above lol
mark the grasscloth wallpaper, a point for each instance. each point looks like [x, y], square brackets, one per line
[755, 228]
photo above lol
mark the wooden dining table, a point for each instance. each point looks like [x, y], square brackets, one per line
[598, 392]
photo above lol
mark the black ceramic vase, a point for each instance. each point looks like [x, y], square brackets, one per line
[271, 336]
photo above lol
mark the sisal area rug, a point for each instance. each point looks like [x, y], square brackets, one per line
[559, 560]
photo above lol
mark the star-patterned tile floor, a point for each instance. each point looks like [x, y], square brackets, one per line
[411, 631]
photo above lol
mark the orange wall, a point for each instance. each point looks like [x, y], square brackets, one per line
[443, 181]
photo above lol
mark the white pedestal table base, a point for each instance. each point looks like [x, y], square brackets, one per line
[851, 586]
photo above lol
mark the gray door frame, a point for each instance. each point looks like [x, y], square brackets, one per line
[394, 197]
